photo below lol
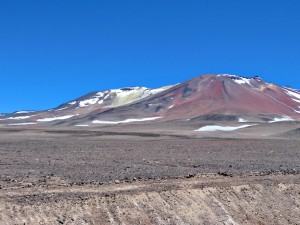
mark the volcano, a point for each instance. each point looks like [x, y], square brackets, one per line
[207, 97]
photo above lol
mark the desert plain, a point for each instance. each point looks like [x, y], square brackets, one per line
[150, 174]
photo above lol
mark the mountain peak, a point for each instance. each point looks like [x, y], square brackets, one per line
[207, 96]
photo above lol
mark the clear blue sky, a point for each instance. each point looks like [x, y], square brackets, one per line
[53, 51]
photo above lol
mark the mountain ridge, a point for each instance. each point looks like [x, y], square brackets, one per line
[211, 94]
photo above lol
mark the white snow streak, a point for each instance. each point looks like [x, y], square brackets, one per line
[92, 100]
[222, 128]
[295, 96]
[296, 100]
[55, 118]
[21, 124]
[283, 104]
[61, 109]
[282, 119]
[241, 120]
[126, 121]
[17, 118]
[21, 112]
[82, 125]
[237, 79]
[242, 80]
[292, 93]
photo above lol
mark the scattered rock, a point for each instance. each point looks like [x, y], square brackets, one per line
[190, 176]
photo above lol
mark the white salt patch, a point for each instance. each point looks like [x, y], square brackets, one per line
[282, 119]
[55, 118]
[222, 128]
[21, 124]
[126, 121]
[241, 120]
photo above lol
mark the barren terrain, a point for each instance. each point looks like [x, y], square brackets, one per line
[97, 177]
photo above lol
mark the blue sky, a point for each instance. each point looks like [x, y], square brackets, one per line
[54, 51]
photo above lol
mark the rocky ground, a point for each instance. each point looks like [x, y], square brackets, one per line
[89, 177]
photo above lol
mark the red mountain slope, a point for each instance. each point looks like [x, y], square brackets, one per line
[214, 94]
[208, 96]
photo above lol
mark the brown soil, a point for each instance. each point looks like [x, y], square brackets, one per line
[91, 178]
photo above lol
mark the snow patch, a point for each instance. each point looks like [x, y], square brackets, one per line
[296, 100]
[282, 119]
[243, 81]
[92, 100]
[21, 124]
[61, 109]
[17, 118]
[171, 106]
[238, 79]
[241, 120]
[283, 104]
[55, 118]
[222, 128]
[88, 102]
[23, 112]
[292, 94]
[82, 125]
[119, 96]
[126, 121]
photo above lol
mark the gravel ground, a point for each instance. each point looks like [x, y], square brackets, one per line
[88, 178]
[84, 159]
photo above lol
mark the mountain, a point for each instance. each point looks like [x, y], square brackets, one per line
[208, 97]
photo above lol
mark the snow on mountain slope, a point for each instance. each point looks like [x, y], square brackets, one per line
[96, 101]
[111, 98]
[222, 128]
[221, 96]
